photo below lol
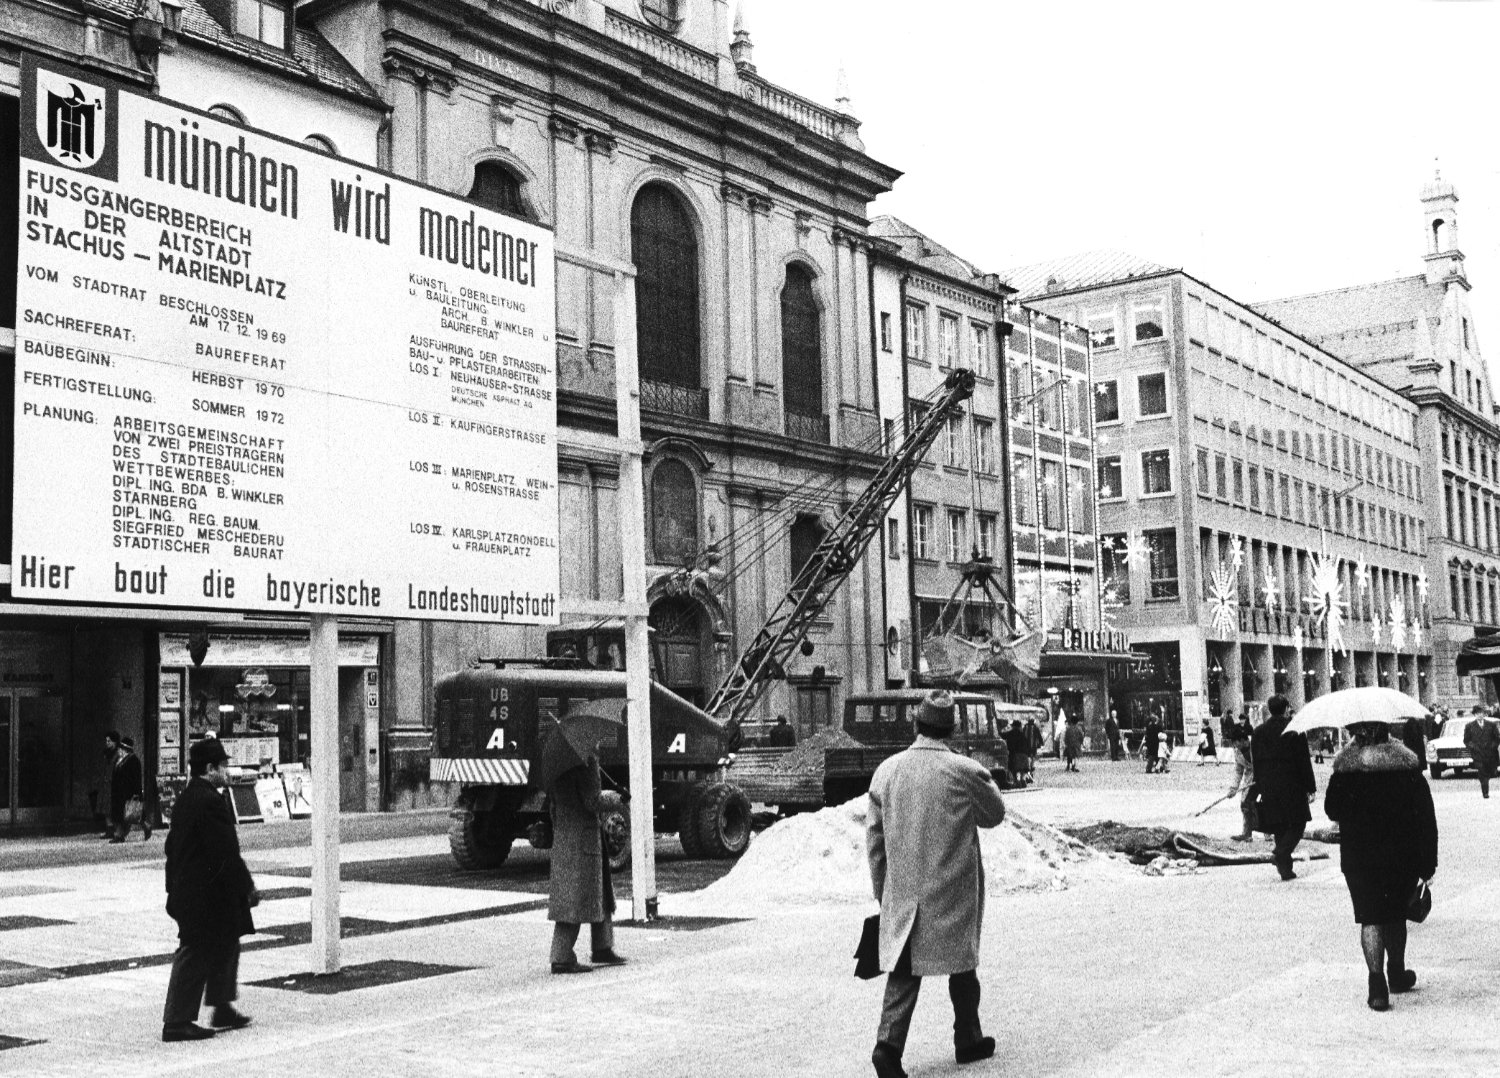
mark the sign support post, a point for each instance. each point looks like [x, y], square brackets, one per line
[324, 749]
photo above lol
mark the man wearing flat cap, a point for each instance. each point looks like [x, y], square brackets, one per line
[922, 838]
[209, 895]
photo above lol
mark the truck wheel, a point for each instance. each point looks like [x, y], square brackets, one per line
[614, 818]
[479, 840]
[723, 821]
[687, 820]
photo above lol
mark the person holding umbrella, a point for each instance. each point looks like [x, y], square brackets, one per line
[1388, 847]
[580, 888]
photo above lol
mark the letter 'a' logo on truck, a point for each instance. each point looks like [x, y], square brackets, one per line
[679, 744]
[70, 120]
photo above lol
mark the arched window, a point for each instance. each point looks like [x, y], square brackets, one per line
[321, 143]
[674, 514]
[801, 344]
[227, 112]
[665, 251]
[498, 188]
[807, 533]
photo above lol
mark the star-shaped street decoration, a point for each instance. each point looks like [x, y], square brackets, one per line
[1236, 553]
[1224, 601]
[1297, 637]
[1326, 600]
[1416, 632]
[1137, 550]
[1362, 575]
[1398, 623]
[1272, 591]
[1422, 585]
[1375, 627]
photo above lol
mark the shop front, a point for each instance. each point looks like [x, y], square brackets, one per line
[1073, 678]
[1147, 683]
[251, 691]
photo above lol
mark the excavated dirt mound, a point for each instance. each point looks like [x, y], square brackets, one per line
[1140, 844]
[819, 857]
[807, 757]
[1161, 847]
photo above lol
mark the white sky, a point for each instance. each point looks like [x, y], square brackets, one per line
[1269, 149]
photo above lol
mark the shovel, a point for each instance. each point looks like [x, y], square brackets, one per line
[1214, 802]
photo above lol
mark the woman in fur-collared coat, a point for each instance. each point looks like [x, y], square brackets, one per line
[1388, 841]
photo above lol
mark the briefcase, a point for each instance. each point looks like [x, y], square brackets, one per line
[867, 954]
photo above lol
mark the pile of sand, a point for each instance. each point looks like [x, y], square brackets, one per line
[819, 858]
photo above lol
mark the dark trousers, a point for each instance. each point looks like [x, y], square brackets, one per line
[1114, 750]
[202, 971]
[1485, 774]
[900, 1002]
[1286, 842]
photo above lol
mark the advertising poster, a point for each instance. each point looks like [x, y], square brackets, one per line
[252, 376]
[169, 690]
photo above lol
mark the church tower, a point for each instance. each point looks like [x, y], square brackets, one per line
[1445, 262]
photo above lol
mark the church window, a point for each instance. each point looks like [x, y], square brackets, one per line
[674, 514]
[665, 251]
[801, 344]
[498, 188]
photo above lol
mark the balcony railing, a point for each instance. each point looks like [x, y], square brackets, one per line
[801, 111]
[674, 399]
[674, 54]
[810, 428]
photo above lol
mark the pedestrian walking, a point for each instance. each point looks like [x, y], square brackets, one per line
[1018, 746]
[1284, 782]
[1112, 734]
[1073, 743]
[580, 887]
[1151, 743]
[1206, 749]
[1164, 752]
[1482, 739]
[1388, 843]
[209, 894]
[1034, 742]
[1414, 737]
[126, 789]
[922, 840]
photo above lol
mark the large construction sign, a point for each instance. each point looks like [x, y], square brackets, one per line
[253, 376]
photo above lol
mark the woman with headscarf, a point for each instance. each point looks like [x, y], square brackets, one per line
[1388, 843]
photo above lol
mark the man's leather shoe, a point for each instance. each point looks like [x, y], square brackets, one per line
[606, 958]
[187, 1031]
[887, 1062]
[571, 966]
[1402, 980]
[226, 1017]
[983, 1048]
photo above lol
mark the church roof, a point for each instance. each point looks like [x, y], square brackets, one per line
[1341, 310]
[1080, 271]
[919, 248]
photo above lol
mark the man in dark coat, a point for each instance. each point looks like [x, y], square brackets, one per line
[1414, 737]
[1284, 780]
[1482, 739]
[579, 888]
[1112, 732]
[1152, 742]
[209, 895]
[782, 736]
[125, 783]
[922, 843]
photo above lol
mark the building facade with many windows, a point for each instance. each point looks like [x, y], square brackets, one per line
[1417, 335]
[1262, 522]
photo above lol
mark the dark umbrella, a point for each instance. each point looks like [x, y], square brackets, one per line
[572, 743]
[1480, 656]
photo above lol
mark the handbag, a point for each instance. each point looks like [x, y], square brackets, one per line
[867, 954]
[1420, 903]
[132, 813]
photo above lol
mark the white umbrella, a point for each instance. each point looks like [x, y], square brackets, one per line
[1349, 706]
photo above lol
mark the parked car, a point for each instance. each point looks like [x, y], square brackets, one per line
[1446, 752]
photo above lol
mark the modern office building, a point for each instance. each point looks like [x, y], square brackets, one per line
[1417, 335]
[1262, 523]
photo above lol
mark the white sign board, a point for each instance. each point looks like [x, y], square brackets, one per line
[253, 376]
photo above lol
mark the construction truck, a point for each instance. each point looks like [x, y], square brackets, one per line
[492, 722]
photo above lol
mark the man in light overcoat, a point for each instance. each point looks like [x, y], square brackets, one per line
[922, 839]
